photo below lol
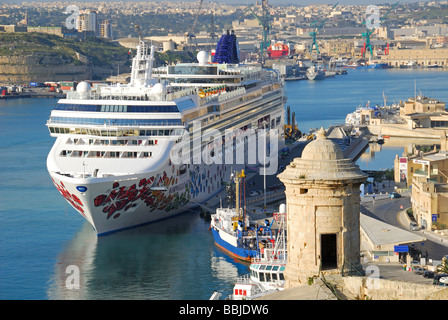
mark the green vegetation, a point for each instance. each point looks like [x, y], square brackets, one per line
[99, 51]
[170, 57]
[439, 226]
[443, 267]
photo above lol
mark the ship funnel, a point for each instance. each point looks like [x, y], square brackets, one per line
[227, 50]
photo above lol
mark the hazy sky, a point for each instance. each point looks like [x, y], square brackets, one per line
[296, 2]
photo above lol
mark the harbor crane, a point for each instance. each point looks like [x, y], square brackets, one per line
[265, 21]
[212, 33]
[366, 35]
[192, 34]
[318, 24]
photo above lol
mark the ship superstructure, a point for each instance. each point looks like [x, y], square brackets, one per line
[113, 158]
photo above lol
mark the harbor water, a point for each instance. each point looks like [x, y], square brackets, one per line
[44, 243]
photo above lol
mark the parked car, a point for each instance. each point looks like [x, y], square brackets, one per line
[419, 270]
[443, 281]
[428, 274]
[253, 193]
[414, 226]
[394, 195]
[437, 277]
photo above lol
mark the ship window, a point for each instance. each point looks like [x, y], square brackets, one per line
[268, 277]
[274, 277]
[262, 267]
[268, 267]
[262, 276]
[275, 268]
[281, 276]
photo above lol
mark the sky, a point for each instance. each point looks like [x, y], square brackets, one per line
[295, 2]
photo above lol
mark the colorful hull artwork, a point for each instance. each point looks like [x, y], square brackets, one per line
[137, 200]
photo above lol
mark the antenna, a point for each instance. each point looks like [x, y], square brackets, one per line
[415, 89]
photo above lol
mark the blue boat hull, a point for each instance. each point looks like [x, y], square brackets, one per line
[375, 66]
[236, 252]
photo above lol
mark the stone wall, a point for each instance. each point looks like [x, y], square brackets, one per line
[402, 130]
[40, 66]
[381, 289]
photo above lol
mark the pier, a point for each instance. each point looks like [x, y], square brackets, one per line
[275, 195]
[34, 94]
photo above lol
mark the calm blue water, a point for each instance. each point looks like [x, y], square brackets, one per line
[40, 235]
[327, 102]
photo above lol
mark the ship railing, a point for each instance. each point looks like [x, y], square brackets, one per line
[257, 290]
[223, 96]
[244, 279]
[94, 95]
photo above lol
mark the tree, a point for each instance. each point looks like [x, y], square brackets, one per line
[443, 267]
[377, 178]
[389, 175]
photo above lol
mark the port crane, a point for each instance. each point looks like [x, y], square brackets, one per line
[192, 34]
[212, 33]
[366, 35]
[265, 21]
[318, 24]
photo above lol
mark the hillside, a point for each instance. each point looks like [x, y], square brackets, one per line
[26, 57]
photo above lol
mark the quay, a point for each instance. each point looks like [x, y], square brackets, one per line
[417, 117]
[33, 92]
[352, 147]
[41, 95]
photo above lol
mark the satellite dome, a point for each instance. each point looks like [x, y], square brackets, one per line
[202, 57]
[158, 88]
[83, 87]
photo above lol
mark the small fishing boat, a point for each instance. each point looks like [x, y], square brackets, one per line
[266, 272]
[234, 232]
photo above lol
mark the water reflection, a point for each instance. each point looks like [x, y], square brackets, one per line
[174, 259]
[382, 156]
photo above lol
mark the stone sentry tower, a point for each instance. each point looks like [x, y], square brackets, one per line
[323, 199]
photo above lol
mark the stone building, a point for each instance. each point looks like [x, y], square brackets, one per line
[323, 209]
[422, 56]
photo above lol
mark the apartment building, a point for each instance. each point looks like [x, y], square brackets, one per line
[427, 175]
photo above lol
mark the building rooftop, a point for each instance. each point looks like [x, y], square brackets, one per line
[381, 233]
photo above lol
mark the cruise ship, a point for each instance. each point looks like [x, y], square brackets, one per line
[116, 157]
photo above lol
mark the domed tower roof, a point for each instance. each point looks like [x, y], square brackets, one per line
[322, 148]
[322, 159]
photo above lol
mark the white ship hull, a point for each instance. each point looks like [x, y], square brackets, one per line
[115, 158]
[116, 203]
